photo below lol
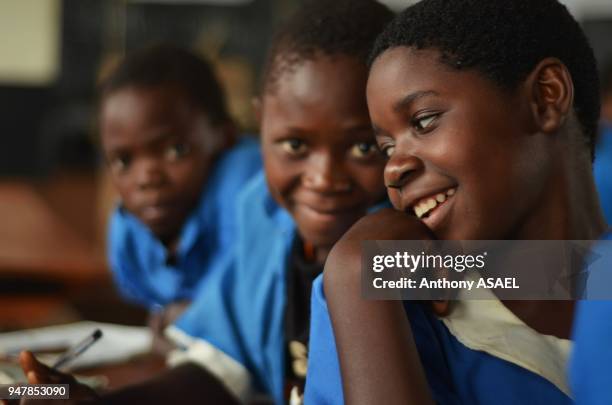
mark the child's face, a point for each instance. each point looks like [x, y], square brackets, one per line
[159, 149]
[456, 137]
[319, 151]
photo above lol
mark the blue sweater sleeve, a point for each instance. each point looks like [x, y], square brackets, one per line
[590, 367]
[121, 262]
[323, 381]
[591, 363]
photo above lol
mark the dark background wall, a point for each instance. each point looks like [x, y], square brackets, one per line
[42, 128]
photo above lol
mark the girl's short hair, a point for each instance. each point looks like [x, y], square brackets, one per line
[338, 27]
[165, 64]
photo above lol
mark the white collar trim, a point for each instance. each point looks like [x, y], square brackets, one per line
[487, 325]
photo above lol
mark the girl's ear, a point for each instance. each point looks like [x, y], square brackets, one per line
[256, 104]
[551, 93]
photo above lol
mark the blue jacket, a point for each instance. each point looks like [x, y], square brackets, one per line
[602, 170]
[591, 364]
[479, 354]
[241, 312]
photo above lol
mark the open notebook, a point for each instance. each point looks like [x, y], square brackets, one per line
[118, 343]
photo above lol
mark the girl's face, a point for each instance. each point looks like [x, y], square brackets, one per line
[159, 149]
[320, 155]
[462, 155]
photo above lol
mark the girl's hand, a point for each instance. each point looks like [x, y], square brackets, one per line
[39, 373]
[343, 264]
[378, 356]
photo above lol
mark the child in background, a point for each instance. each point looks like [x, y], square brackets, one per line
[590, 374]
[602, 167]
[247, 332]
[175, 159]
[322, 172]
[493, 104]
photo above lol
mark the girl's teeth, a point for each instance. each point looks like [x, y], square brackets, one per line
[427, 205]
[418, 211]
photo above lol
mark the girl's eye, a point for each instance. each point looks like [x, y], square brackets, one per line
[423, 123]
[177, 151]
[119, 164]
[388, 151]
[293, 146]
[364, 149]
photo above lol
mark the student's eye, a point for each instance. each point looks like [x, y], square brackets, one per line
[364, 149]
[424, 123]
[293, 146]
[386, 147]
[177, 151]
[388, 150]
[119, 164]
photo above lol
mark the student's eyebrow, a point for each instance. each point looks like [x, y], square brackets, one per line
[359, 127]
[297, 131]
[160, 135]
[411, 98]
[378, 132]
[155, 138]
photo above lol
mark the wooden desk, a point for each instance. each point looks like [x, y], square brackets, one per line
[34, 242]
[40, 249]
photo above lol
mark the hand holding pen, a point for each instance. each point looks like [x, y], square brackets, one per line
[39, 373]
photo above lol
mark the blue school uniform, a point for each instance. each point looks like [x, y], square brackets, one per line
[480, 354]
[590, 366]
[602, 169]
[139, 261]
[235, 327]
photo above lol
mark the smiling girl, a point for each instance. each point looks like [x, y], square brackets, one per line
[487, 112]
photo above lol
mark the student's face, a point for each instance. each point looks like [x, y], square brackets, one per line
[457, 137]
[159, 150]
[320, 155]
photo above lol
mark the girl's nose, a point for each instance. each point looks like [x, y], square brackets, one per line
[400, 169]
[326, 176]
[150, 174]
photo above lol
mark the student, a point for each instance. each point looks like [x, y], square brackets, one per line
[590, 374]
[248, 330]
[322, 172]
[602, 167]
[495, 105]
[175, 160]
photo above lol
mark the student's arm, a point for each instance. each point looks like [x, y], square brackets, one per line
[378, 357]
[185, 384]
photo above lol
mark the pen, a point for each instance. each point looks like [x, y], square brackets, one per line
[77, 349]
